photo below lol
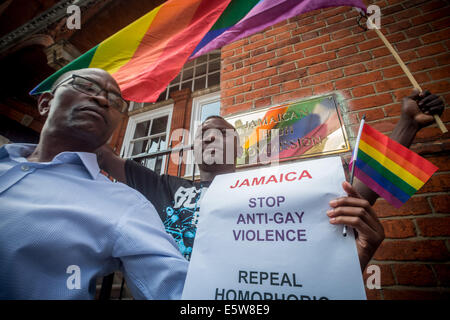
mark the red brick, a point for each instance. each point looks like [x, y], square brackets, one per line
[363, 91]
[311, 43]
[291, 85]
[323, 88]
[441, 203]
[418, 31]
[258, 44]
[428, 17]
[344, 42]
[422, 64]
[392, 72]
[370, 44]
[380, 63]
[440, 73]
[261, 57]
[408, 44]
[370, 102]
[373, 114]
[259, 66]
[321, 78]
[241, 89]
[407, 250]
[261, 84]
[313, 51]
[437, 183]
[399, 26]
[296, 74]
[317, 68]
[434, 226]
[354, 81]
[391, 84]
[350, 60]
[414, 206]
[260, 75]
[436, 36]
[414, 274]
[385, 126]
[354, 69]
[238, 108]
[398, 228]
[316, 59]
[302, 93]
[263, 102]
[262, 93]
[234, 74]
[286, 67]
[433, 49]
[442, 273]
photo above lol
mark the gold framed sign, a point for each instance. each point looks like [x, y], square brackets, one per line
[300, 129]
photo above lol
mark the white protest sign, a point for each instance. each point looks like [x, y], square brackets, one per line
[264, 234]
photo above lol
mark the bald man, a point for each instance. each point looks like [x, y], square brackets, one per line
[62, 223]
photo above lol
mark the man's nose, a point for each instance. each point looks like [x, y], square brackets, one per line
[102, 99]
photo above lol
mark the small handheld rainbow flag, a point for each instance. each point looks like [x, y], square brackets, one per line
[393, 171]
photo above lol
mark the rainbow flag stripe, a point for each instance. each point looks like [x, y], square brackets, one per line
[246, 17]
[390, 169]
[147, 54]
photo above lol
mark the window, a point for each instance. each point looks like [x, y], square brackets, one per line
[201, 73]
[146, 134]
[202, 107]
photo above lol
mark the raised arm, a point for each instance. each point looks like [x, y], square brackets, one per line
[111, 163]
[417, 113]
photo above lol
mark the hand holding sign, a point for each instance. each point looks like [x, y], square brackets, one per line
[356, 212]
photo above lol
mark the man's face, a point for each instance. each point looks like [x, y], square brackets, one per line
[215, 145]
[77, 115]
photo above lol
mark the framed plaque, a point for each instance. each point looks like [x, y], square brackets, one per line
[293, 130]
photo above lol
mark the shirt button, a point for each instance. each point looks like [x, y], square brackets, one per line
[25, 167]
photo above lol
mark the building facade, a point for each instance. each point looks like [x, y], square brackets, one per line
[324, 52]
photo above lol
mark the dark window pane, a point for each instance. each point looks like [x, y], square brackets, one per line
[214, 66]
[139, 147]
[202, 59]
[188, 74]
[200, 83]
[200, 70]
[213, 79]
[159, 125]
[187, 84]
[141, 129]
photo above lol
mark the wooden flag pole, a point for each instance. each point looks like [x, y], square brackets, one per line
[405, 69]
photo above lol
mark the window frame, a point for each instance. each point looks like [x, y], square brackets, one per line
[133, 120]
[197, 103]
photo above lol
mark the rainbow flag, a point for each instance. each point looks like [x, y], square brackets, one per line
[391, 170]
[146, 55]
[246, 17]
[149, 53]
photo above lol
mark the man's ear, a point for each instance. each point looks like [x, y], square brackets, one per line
[44, 103]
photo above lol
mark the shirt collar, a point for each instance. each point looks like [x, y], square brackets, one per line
[20, 151]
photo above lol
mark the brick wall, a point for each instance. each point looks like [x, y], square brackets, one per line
[326, 51]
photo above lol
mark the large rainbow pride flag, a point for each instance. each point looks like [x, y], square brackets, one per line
[149, 53]
[391, 170]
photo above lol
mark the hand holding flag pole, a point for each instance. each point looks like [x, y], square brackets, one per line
[352, 162]
[405, 69]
